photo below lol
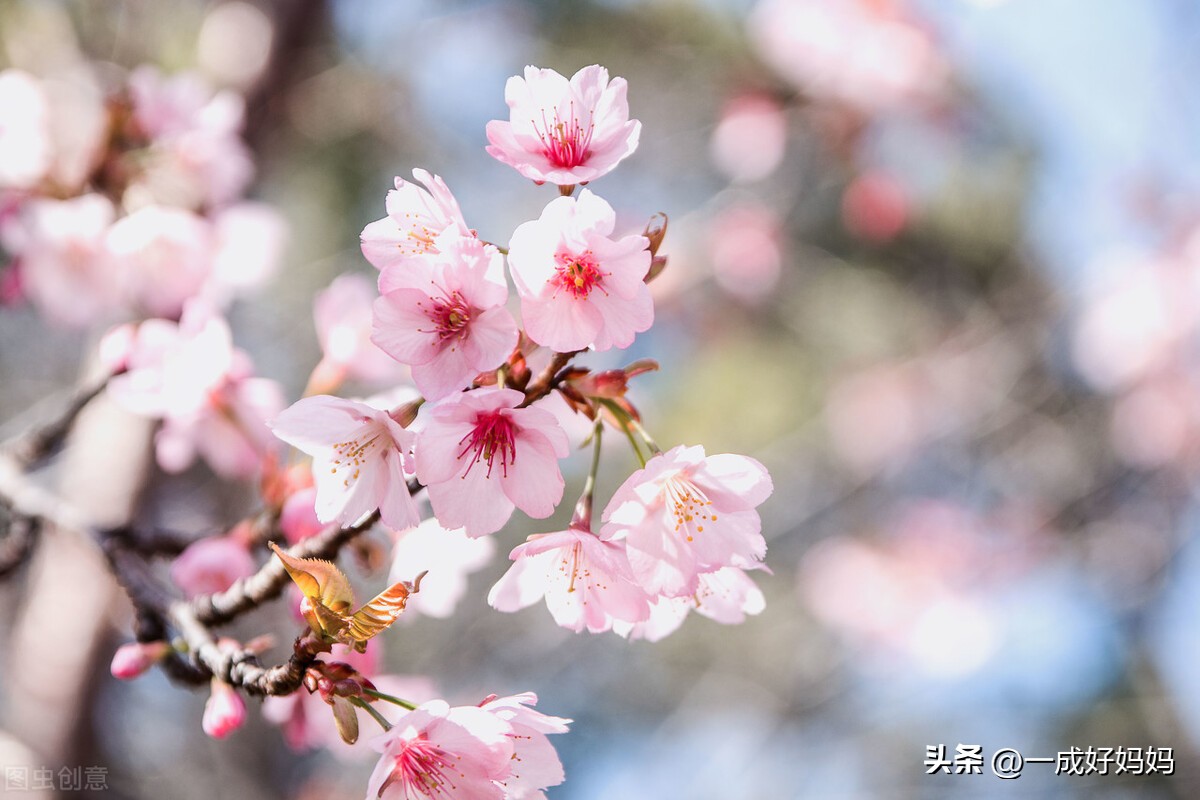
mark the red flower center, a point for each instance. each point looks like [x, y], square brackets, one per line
[578, 274]
[421, 768]
[450, 316]
[492, 439]
[565, 143]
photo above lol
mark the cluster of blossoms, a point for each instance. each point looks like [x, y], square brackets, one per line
[476, 431]
[137, 214]
[680, 533]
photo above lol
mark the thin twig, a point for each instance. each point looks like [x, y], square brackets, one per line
[549, 378]
[36, 444]
[268, 582]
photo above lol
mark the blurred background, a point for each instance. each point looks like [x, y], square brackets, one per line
[935, 263]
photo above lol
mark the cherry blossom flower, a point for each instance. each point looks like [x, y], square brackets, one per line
[417, 218]
[587, 582]
[444, 315]
[173, 367]
[685, 513]
[212, 565]
[745, 243]
[441, 752]
[196, 156]
[564, 132]
[449, 556]
[358, 454]
[578, 287]
[66, 270]
[479, 456]
[726, 596]
[249, 240]
[165, 256]
[229, 431]
[224, 712]
[749, 141]
[868, 54]
[189, 375]
[307, 721]
[298, 517]
[876, 206]
[342, 314]
[535, 764]
[25, 146]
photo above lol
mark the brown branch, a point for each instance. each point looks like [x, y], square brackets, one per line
[17, 544]
[34, 445]
[549, 378]
[268, 582]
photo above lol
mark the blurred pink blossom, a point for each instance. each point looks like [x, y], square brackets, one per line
[449, 556]
[229, 431]
[875, 206]
[249, 242]
[196, 156]
[173, 368]
[580, 288]
[869, 54]
[564, 132]
[342, 314]
[298, 517]
[66, 269]
[1132, 321]
[189, 375]
[1157, 422]
[165, 255]
[746, 247]
[212, 565]
[25, 147]
[749, 140]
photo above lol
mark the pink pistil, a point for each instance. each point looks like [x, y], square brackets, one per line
[493, 437]
[565, 144]
[578, 274]
[422, 766]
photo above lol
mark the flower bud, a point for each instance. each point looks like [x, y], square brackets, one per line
[656, 230]
[224, 712]
[133, 659]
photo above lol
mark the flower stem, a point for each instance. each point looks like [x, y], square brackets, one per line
[627, 424]
[583, 509]
[650, 443]
[383, 723]
[390, 699]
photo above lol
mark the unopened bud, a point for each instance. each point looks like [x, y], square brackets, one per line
[224, 712]
[135, 658]
[656, 230]
[405, 415]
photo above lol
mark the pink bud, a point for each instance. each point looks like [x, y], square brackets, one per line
[134, 658]
[224, 712]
